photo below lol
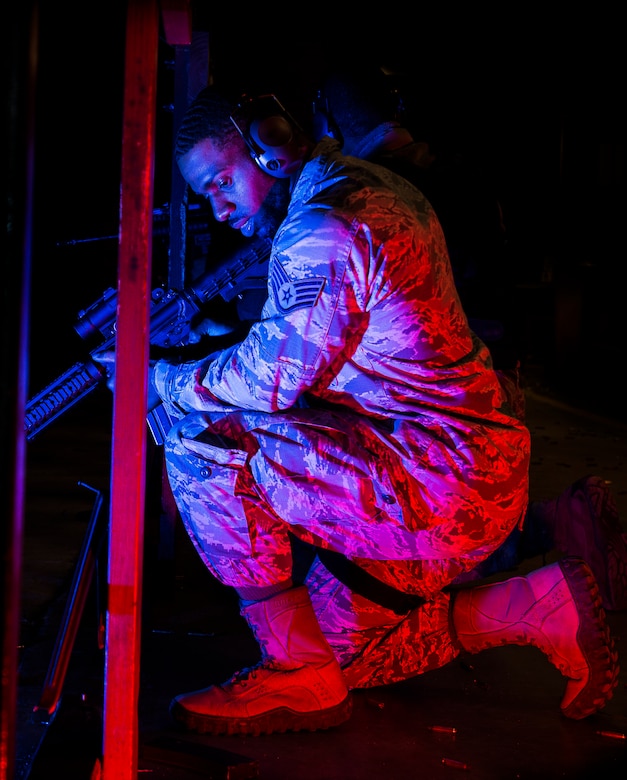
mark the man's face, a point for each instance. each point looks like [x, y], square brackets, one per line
[230, 180]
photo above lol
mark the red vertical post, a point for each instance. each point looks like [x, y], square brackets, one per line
[128, 470]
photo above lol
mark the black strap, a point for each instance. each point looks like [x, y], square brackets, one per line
[353, 576]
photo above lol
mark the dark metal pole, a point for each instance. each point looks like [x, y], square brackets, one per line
[20, 46]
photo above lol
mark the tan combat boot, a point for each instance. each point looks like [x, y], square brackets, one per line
[556, 608]
[298, 684]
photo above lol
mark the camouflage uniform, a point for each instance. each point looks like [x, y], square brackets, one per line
[360, 413]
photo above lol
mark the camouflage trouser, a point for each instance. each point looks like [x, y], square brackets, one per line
[374, 645]
[244, 481]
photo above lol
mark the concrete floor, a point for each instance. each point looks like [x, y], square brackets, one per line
[503, 703]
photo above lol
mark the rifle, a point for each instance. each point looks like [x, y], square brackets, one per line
[172, 317]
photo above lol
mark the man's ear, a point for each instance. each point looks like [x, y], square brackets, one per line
[272, 135]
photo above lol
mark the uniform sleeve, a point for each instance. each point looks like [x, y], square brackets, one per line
[311, 319]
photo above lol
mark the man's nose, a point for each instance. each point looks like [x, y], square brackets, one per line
[222, 209]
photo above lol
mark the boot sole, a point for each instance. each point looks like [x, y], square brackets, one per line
[594, 639]
[279, 720]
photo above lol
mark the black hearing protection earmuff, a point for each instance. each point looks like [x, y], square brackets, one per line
[388, 101]
[271, 134]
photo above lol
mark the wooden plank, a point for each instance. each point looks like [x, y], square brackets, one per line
[176, 16]
[128, 470]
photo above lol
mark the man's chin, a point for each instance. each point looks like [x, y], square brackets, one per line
[266, 221]
[248, 228]
[274, 210]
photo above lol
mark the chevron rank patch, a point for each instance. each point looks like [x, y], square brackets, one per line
[290, 295]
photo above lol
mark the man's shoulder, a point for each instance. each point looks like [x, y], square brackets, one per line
[318, 221]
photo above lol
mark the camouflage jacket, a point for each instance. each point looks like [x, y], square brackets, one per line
[362, 314]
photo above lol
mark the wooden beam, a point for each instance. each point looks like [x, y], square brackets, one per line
[128, 462]
[177, 22]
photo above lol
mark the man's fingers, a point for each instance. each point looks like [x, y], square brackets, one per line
[105, 358]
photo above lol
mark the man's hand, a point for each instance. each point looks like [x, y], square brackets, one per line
[209, 327]
[106, 359]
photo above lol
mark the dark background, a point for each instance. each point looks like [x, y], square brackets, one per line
[533, 96]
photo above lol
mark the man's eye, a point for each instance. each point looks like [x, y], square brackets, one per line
[222, 183]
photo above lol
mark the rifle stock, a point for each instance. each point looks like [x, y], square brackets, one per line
[172, 316]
